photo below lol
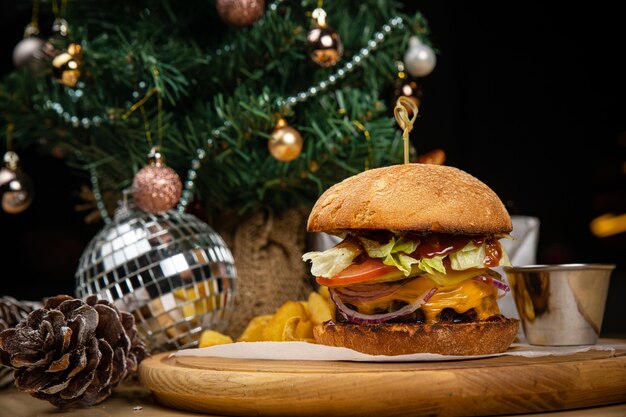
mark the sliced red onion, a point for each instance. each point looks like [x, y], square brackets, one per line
[368, 294]
[360, 318]
[492, 281]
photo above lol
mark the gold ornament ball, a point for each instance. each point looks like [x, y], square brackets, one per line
[286, 142]
[156, 188]
[240, 12]
[325, 46]
[66, 65]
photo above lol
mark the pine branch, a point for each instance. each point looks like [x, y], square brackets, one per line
[220, 89]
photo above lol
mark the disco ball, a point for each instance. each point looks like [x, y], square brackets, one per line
[173, 272]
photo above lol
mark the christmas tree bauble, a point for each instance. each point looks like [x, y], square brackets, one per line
[324, 45]
[27, 50]
[419, 59]
[16, 188]
[66, 65]
[17, 193]
[157, 188]
[60, 28]
[286, 142]
[240, 12]
[173, 272]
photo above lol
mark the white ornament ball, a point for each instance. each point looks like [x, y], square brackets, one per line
[26, 50]
[419, 59]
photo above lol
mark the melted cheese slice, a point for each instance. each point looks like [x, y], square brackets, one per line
[460, 296]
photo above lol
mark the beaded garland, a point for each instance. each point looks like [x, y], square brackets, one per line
[357, 60]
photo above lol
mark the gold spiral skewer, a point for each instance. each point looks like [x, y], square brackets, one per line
[401, 113]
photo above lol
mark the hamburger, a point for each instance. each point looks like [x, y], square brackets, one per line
[413, 273]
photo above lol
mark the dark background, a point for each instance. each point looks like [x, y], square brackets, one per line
[527, 96]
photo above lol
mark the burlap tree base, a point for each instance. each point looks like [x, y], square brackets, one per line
[267, 250]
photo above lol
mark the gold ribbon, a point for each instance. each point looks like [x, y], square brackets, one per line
[10, 128]
[401, 114]
[366, 133]
[140, 105]
[34, 20]
[59, 12]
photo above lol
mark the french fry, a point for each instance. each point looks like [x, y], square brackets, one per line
[294, 320]
[306, 308]
[212, 338]
[319, 308]
[254, 330]
[274, 329]
[289, 331]
[323, 291]
[304, 331]
[298, 329]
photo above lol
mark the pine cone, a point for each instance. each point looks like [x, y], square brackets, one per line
[11, 312]
[6, 376]
[72, 352]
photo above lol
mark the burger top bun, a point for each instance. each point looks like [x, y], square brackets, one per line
[411, 197]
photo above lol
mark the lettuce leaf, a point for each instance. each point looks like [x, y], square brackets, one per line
[405, 245]
[393, 253]
[375, 249]
[401, 261]
[334, 260]
[430, 265]
[504, 260]
[473, 256]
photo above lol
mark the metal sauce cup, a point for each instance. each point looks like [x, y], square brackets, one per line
[560, 305]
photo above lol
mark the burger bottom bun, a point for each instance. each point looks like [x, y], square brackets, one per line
[476, 338]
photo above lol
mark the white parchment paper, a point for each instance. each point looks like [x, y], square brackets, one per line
[311, 352]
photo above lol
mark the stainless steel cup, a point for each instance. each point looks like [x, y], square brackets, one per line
[560, 305]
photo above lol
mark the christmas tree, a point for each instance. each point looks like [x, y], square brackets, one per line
[258, 108]
[208, 84]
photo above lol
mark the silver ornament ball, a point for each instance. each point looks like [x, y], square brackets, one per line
[26, 50]
[173, 272]
[419, 59]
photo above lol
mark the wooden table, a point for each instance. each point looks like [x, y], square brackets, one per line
[134, 401]
[587, 384]
[492, 386]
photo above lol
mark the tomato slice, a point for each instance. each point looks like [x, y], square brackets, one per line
[366, 271]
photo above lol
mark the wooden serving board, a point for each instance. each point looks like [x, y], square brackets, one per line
[500, 385]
